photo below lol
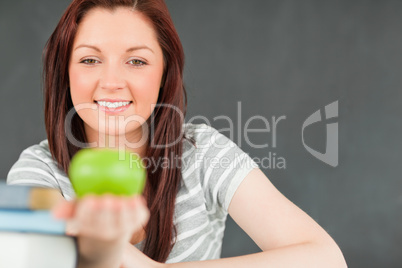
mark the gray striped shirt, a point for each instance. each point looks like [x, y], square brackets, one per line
[212, 171]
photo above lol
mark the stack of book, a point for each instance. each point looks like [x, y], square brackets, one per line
[29, 235]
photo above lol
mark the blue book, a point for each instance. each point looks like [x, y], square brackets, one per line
[30, 221]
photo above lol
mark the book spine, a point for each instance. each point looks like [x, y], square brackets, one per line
[27, 197]
[38, 221]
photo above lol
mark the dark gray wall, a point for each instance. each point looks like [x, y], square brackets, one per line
[278, 58]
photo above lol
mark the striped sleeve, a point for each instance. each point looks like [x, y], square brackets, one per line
[32, 169]
[224, 166]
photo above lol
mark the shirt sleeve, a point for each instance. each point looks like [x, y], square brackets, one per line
[32, 169]
[224, 166]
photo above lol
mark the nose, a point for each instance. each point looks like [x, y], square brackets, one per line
[112, 78]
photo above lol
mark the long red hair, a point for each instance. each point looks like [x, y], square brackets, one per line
[163, 183]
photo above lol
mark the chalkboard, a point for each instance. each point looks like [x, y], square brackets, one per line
[327, 72]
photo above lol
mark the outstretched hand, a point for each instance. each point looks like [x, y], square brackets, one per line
[103, 226]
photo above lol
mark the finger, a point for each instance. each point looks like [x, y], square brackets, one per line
[144, 215]
[139, 212]
[123, 219]
[99, 218]
[71, 227]
[85, 212]
[64, 210]
[105, 217]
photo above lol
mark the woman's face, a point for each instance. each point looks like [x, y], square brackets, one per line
[115, 72]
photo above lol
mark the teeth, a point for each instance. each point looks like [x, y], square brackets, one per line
[113, 104]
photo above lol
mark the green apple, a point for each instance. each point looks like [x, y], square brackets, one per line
[101, 171]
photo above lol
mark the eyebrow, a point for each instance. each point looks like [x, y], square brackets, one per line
[131, 49]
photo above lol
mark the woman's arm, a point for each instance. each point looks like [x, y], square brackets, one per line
[287, 235]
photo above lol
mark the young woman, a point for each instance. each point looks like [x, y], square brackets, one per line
[113, 76]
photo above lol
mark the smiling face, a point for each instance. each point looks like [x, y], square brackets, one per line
[115, 72]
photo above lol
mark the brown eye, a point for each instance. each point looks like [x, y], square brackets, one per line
[89, 61]
[137, 62]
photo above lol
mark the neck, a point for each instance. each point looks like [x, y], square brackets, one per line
[133, 143]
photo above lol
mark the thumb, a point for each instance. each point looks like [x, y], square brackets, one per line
[64, 210]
